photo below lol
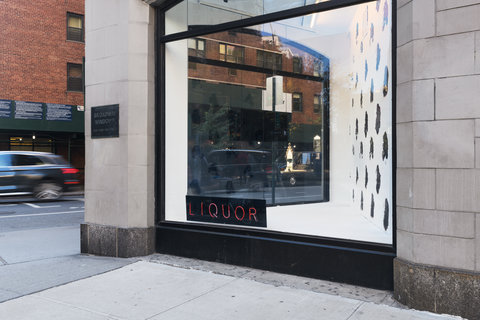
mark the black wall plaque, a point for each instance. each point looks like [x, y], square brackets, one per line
[105, 121]
[245, 212]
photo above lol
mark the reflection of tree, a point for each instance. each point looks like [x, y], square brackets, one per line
[215, 125]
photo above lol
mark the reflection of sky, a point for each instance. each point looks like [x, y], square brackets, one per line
[326, 23]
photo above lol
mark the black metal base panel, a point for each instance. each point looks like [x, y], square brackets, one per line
[353, 263]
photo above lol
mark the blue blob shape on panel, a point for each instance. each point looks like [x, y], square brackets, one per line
[356, 35]
[372, 32]
[361, 47]
[366, 69]
[385, 15]
[385, 82]
[378, 5]
[378, 56]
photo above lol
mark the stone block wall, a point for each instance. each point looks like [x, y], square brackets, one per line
[120, 69]
[438, 150]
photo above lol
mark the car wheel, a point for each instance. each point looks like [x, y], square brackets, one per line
[292, 181]
[48, 191]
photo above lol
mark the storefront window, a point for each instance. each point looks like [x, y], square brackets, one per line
[296, 113]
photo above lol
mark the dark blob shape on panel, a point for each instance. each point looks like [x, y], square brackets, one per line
[361, 47]
[378, 56]
[361, 150]
[356, 80]
[371, 91]
[379, 179]
[377, 121]
[353, 194]
[365, 127]
[372, 207]
[385, 82]
[356, 176]
[353, 149]
[385, 146]
[385, 216]
[361, 99]
[366, 176]
[356, 129]
[361, 200]
[370, 154]
[353, 102]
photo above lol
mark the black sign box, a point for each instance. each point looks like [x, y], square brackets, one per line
[245, 212]
[105, 121]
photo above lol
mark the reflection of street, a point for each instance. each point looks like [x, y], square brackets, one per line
[283, 194]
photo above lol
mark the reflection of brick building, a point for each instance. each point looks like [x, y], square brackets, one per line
[41, 53]
[233, 69]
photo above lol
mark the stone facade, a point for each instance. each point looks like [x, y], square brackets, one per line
[438, 177]
[120, 69]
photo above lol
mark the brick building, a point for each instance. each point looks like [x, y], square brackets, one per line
[41, 77]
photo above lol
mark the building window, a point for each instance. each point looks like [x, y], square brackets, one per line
[75, 27]
[251, 137]
[297, 101]
[74, 77]
[269, 60]
[317, 103]
[318, 68]
[196, 48]
[297, 65]
[233, 54]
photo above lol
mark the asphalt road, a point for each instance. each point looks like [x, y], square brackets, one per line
[37, 230]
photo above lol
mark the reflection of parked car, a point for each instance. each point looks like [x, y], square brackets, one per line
[236, 167]
[44, 175]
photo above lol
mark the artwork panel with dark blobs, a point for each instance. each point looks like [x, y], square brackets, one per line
[372, 207]
[378, 119]
[379, 179]
[366, 177]
[365, 126]
[385, 146]
[385, 215]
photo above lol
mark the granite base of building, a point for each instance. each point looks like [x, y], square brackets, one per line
[116, 242]
[437, 289]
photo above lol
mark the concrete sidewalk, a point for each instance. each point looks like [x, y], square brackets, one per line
[166, 287]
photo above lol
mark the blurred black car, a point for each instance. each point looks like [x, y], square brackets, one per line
[43, 175]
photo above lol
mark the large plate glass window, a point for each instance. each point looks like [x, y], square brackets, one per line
[296, 112]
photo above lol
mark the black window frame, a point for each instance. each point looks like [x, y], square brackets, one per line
[269, 60]
[71, 31]
[297, 104]
[361, 263]
[74, 84]
[297, 64]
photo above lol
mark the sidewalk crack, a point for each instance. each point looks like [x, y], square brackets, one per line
[194, 298]
[354, 311]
